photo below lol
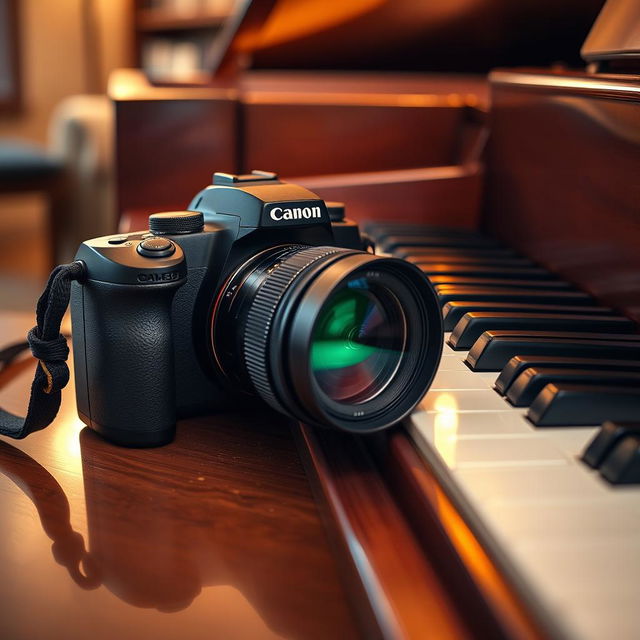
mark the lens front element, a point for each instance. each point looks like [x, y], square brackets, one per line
[334, 337]
[358, 342]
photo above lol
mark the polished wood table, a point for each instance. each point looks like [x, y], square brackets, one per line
[214, 536]
[246, 526]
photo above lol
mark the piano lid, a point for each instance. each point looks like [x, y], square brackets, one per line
[468, 36]
[615, 34]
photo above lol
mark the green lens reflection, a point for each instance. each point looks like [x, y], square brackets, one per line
[357, 342]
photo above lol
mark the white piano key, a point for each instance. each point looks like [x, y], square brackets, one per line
[586, 579]
[572, 440]
[470, 424]
[457, 380]
[604, 615]
[532, 485]
[572, 538]
[488, 377]
[502, 451]
[453, 362]
[606, 517]
[464, 400]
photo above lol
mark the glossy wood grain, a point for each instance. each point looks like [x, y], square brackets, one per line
[494, 606]
[169, 140]
[348, 133]
[448, 196]
[214, 536]
[562, 178]
[401, 595]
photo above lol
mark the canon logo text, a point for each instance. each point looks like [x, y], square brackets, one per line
[296, 213]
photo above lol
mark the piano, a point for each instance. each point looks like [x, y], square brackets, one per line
[508, 504]
[525, 453]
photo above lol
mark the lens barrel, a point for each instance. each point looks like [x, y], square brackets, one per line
[331, 336]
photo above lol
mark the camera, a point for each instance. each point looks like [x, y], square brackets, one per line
[258, 288]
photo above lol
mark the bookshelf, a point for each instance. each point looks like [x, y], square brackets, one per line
[173, 38]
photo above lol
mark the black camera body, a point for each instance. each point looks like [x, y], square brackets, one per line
[182, 319]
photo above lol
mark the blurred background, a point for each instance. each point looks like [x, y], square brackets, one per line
[63, 177]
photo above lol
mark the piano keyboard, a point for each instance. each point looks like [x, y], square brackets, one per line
[531, 368]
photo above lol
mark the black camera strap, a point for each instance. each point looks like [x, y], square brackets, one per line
[49, 346]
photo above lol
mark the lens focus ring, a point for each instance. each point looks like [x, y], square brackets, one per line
[262, 312]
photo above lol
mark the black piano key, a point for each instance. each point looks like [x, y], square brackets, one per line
[478, 271]
[473, 324]
[453, 311]
[468, 281]
[425, 233]
[531, 381]
[456, 254]
[622, 465]
[393, 242]
[609, 435]
[567, 405]
[382, 229]
[518, 364]
[447, 293]
[422, 237]
[493, 349]
[453, 259]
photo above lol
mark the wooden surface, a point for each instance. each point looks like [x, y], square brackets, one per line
[562, 177]
[448, 196]
[494, 607]
[349, 133]
[214, 536]
[402, 595]
[169, 140]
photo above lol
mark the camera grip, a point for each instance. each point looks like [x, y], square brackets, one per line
[124, 361]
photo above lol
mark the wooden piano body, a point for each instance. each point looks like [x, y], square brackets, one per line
[546, 160]
[332, 132]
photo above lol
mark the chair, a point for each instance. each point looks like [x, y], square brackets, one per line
[25, 167]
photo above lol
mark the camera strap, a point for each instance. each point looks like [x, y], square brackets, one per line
[49, 346]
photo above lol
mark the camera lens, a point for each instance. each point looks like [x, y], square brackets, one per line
[358, 342]
[330, 336]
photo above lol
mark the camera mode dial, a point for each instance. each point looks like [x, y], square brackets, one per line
[176, 222]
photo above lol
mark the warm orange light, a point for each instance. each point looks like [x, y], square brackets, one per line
[479, 564]
[293, 19]
[445, 427]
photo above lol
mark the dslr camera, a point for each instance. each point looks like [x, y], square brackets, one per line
[258, 288]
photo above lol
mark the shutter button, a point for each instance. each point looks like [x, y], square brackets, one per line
[118, 239]
[156, 247]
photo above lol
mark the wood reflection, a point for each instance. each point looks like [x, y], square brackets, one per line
[224, 509]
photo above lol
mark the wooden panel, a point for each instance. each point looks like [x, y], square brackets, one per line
[401, 596]
[470, 572]
[170, 141]
[214, 536]
[562, 182]
[300, 138]
[449, 196]
[472, 89]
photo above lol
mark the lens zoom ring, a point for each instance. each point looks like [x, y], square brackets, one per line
[262, 311]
